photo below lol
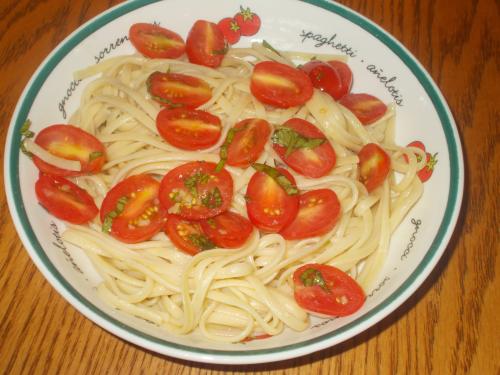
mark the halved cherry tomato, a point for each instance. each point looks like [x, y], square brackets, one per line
[156, 42]
[187, 235]
[250, 137]
[195, 191]
[374, 166]
[306, 156]
[205, 44]
[188, 129]
[345, 74]
[178, 90]
[72, 143]
[131, 211]
[269, 207]
[228, 230]
[365, 107]
[318, 213]
[426, 172]
[325, 78]
[280, 85]
[65, 200]
[327, 290]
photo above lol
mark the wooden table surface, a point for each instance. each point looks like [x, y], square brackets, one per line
[449, 326]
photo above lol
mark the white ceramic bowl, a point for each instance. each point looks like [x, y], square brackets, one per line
[310, 26]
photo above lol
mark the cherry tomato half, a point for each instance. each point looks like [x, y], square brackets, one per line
[131, 212]
[365, 107]
[195, 191]
[318, 213]
[71, 143]
[188, 129]
[374, 166]
[156, 42]
[280, 85]
[205, 44]
[187, 235]
[311, 161]
[178, 90]
[65, 200]
[327, 290]
[227, 230]
[325, 78]
[250, 137]
[269, 207]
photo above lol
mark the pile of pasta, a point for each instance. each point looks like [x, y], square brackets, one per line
[232, 295]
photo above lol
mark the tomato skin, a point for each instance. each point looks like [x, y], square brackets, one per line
[345, 74]
[228, 230]
[325, 78]
[179, 229]
[72, 143]
[248, 21]
[314, 163]
[230, 29]
[205, 44]
[374, 166]
[175, 89]
[141, 192]
[340, 287]
[156, 42]
[426, 172]
[265, 198]
[319, 211]
[64, 199]
[177, 198]
[188, 129]
[248, 142]
[280, 85]
[367, 108]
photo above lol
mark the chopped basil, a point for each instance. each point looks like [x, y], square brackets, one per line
[221, 51]
[223, 149]
[193, 181]
[311, 277]
[270, 47]
[167, 102]
[292, 140]
[280, 179]
[212, 223]
[200, 241]
[94, 155]
[212, 199]
[110, 216]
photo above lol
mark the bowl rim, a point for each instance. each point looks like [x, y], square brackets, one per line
[407, 288]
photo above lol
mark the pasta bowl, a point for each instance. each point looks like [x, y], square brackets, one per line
[381, 66]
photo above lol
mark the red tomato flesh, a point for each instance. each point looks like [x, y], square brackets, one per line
[325, 78]
[365, 107]
[269, 207]
[156, 42]
[65, 200]
[178, 90]
[310, 162]
[345, 74]
[195, 191]
[228, 230]
[140, 216]
[374, 166]
[71, 143]
[250, 137]
[280, 85]
[205, 44]
[188, 129]
[318, 213]
[327, 290]
[187, 235]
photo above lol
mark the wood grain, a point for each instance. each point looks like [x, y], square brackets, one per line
[449, 326]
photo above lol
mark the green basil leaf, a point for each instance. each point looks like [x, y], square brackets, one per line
[280, 179]
[111, 215]
[94, 155]
[292, 140]
[200, 241]
[270, 47]
[311, 277]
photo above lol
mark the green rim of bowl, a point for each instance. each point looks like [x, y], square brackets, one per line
[432, 255]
